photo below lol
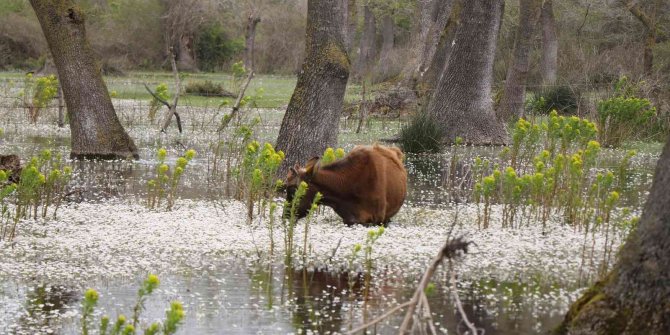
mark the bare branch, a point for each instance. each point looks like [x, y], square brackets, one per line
[236, 106]
[157, 97]
[637, 11]
[457, 301]
[451, 249]
[380, 318]
[173, 108]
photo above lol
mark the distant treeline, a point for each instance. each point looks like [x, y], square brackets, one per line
[598, 40]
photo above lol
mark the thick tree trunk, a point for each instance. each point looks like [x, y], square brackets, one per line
[94, 125]
[634, 298]
[441, 12]
[512, 102]
[311, 122]
[368, 46]
[249, 37]
[350, 24]
[462, 99]
[549, 61]
[433, 16]
[185, 55]
[438, 64]
[388, 37]
[425, 13]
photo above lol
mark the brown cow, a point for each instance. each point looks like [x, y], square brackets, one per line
[367, 186]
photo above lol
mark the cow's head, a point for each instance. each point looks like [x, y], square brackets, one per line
[294, 177]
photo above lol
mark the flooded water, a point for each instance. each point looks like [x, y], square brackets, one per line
[235, 298]
[225, 292]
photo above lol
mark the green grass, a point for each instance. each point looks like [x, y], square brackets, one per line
[277, 89]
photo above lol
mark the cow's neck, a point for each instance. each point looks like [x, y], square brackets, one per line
[328, 183]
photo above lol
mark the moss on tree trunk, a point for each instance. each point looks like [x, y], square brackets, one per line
[311, 122]
[462, 100]
[634, 298]
[96, 131]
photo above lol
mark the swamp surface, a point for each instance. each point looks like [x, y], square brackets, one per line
[517, 280]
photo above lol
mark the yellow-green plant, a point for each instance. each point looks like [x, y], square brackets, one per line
[256, 174]
[310, 213]
[625, 115]
[372, 237]
[42, 185]
[161, 91]
[238, 73]
[289, 220]
[36, 94]
[173, 316]
[165, 186]
[351, 273]
[88, 306]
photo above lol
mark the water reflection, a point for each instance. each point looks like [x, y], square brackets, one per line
[231, 297]
[44, 306]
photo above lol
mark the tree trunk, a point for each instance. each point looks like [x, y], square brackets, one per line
[512, 102]
[350, 24]
[185, 55]
[653, 36]
[425, 14]
[549, 61]
[441, 12]
[462, 99]
[634, 298]
[437, 66]
[249, 37]
[94, 125]
[367, 50]
[387, 46]
[310, 124]
[648, 58]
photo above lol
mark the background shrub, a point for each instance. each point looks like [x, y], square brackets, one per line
[207, 88]
[563, 99]
[421, 134]
[625, 116]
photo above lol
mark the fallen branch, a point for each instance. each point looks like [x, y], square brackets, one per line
[177, 84]
[379, 318]
[450, 250]
[236, 107]
[457, 301]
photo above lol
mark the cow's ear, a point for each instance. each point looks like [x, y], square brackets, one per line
[309, 167]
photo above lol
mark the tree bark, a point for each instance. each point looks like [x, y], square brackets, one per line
[425, 14]
[350, 23]
[387, 46]
[634, 298]
[368, 46]
[462, 99]
[95, 128]
[512, 101]
[249, 37]
[310, 124]
[432, 75]
[441, 12]
[653, 32]
[185, 55]
[549, 60]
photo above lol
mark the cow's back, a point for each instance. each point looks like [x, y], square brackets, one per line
[394, 179]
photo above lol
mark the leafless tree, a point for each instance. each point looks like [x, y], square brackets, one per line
[310, 124]
[462, 100]
[94, 125]
[514, 93]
